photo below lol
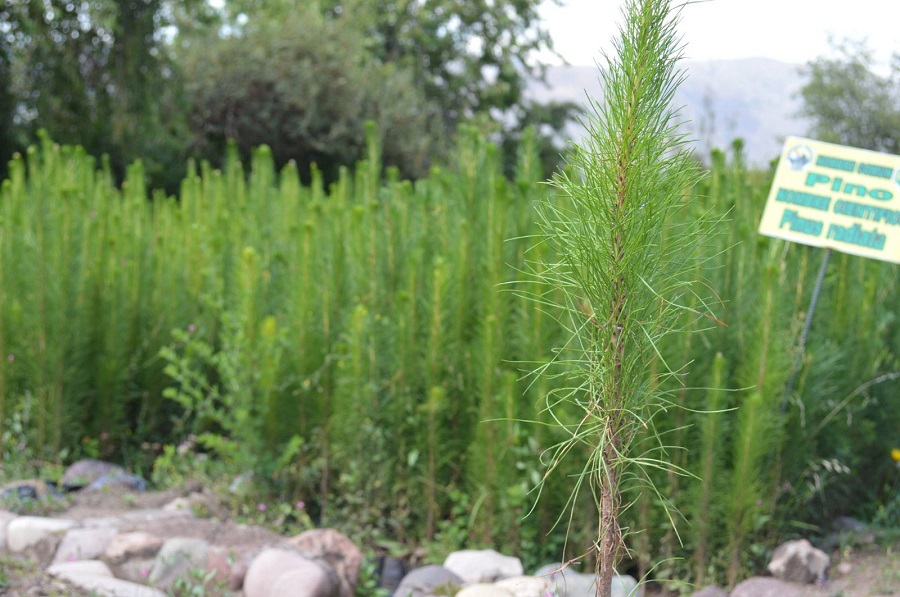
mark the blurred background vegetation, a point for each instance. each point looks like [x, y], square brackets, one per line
[162, 80]
[305, 313]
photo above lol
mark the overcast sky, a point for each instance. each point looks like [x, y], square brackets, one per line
[793, 31]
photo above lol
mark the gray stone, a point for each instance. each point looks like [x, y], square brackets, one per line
[301, 583]
[5, 518]
[527, 586]
[485, 565]
[391, 573]
[121, 481]
[134, 570]
[710, 591]
[66, 569]
[228, 566]
[19, 493]
[428, 580]
[175, 559]
[335, 550]
[96, 577]
[484, 590]
[84, 472]
[575, 584]
[26, 531]
[136, 544]
[270, 565]
[847, 523]
[763, 586]
[800, 562]
[83, 544]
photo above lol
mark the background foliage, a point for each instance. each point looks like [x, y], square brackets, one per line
[287, 329]
[851, 103]
[162, 80]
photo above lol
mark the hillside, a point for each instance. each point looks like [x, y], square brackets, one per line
[756, 99]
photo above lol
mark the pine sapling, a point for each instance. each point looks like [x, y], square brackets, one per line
[624, 289]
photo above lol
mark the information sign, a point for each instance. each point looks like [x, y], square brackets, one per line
[836, 197]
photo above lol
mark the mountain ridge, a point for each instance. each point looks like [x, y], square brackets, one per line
[756, 99]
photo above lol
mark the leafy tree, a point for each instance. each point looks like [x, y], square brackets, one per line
[849, 103]
[549, 122]
[468, 56]
[305, 87]
[470, 59]
[97, 74]
[7, 106]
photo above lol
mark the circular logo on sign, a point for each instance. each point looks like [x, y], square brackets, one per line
[799, 157]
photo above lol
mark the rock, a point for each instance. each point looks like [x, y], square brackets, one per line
[762, 586]
[799, 561]
[845, 568]
[122, 481]
[125, 546]
[710, 591]
[134, 569]
[84, 472]
[175, 559]
[575, 584]
[26, 531]
[527, 586]
[300, 583]
[484, 590]
[625, 586]
[567, 581]
[271, 564]
[229, 567]
[5, 518]
[28, 490]
[486, 565]
[847, 531]
[390, 573]
[96, 577]
[427, 580]
[847, 523]
[336, 550]
[83, 544]
[67, 569]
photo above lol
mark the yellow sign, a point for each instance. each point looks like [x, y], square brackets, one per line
[828, 195]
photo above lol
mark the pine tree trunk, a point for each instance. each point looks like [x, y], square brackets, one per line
[610, 533]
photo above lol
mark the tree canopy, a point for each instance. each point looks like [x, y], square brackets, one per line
[305, 89]
[849, 103]
[163, 79]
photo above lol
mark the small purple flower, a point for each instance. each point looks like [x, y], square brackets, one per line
[261, 507]
[191, 328]
[21, 446]
[300, 505]
[11, 358]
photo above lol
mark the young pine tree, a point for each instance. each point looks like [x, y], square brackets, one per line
[623, 291]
